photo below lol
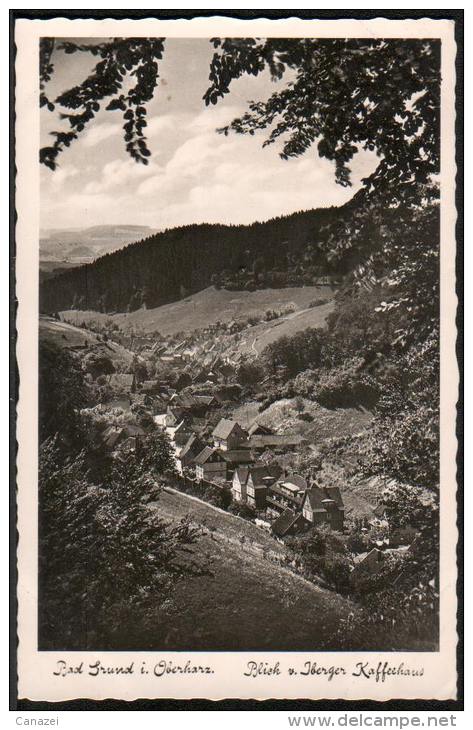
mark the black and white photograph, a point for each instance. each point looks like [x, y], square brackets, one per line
[239, 330]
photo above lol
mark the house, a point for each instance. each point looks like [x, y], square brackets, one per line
[324, 505]
[367, 564]
[281, 442]
[128, 435]
[197, 405]
[236, 458]
[160, 420]
[287, 492]
[112, 436]
[229, 435]
[395, 537]
[177, 414]
[146, 401]
[206, 401]
[210, 464]
[240, 477]
[189, 451]
[200, 375]
[257, 429]
[122, 382]
[171, 419]
[225, 371]
[150, 387]
[287, 523]
[183, 380]
[258, 479]
[181, 433]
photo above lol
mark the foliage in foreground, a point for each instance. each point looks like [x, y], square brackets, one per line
[107, 560]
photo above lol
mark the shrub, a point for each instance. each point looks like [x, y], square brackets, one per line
[242, 510]
[249, 373]
[297, 353]
[318, 302]
[336, 571]
[356, 543]
[345, 388]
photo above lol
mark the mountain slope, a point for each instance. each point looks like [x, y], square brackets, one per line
[212, 305]
[167, 266]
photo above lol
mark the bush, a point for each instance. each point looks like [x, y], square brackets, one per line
[356, 543]
[304, 383]
[297, 353]
[242, 510]
[346, 388]
[249, 373]
[336, 571]
[318, 302]
[313, 543]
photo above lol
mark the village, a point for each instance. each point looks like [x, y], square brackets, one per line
[245, 468]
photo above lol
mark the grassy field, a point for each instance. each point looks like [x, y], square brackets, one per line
[67, 336]
[238, 600]
[212, 305]
[265, 333]
[282, 417]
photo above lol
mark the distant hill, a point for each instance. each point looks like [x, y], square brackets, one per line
[61, 245]
[170, 265]
[82, 251]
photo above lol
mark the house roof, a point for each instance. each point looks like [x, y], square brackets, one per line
[192, 447]
[204, 455]
[294, 480]
[149, 385]
[225, 370]
[132, 430]
[185, 400]
[183, 425]
[368, 561]
[259, 429]
[284, 522]
[242, 473]
[238, 456]
[205, 400]
[111, 436]
[224, 428]
[260, 475]
[317, 495]
[268, 440]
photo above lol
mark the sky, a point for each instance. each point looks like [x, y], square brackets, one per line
[195, 175]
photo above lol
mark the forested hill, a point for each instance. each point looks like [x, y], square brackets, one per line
[178, 261]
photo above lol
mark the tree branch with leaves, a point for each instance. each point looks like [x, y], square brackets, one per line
[125, 78]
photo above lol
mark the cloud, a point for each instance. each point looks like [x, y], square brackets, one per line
[159, 124]
[119, 173]
[98, 133]
[201, 176]
[64, 173]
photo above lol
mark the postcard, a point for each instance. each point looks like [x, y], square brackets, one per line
[236, 350]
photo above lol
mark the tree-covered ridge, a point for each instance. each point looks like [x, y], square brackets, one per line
[166, 266]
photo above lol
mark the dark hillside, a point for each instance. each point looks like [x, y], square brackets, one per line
[179, 261]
